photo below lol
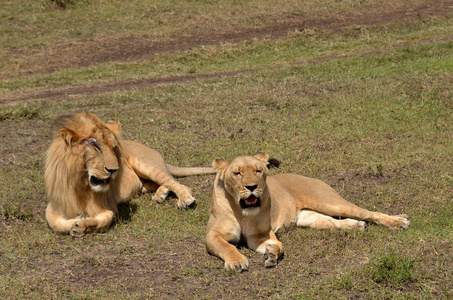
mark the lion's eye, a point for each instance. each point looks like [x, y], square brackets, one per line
[95, 144]
[237, 173]
[259, 171]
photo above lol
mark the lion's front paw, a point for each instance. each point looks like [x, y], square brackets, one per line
[78, 229]
[271, 255]
[185, 201]
[238, 264]
[82, 226]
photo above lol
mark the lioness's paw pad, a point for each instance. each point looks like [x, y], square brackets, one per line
[270, 256]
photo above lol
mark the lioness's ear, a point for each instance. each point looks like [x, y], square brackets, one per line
[273, 163]
[220, 165]
[269, 162]
[69, 136]
[114, 126]
[261, 156]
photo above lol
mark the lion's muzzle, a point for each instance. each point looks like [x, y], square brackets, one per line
[97, 181]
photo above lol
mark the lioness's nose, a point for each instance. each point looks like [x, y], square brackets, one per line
[111, 171]
[251, 187]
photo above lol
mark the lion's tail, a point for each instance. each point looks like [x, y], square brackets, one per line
[182, 172]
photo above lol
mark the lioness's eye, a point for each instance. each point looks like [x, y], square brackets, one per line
[259, 171]
[237, 173]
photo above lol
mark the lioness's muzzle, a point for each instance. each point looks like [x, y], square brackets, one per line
[249, 202]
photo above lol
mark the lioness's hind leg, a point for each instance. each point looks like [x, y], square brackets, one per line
[312, 219]
[397, 222]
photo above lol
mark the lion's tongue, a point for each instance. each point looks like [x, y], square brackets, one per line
[250, 200]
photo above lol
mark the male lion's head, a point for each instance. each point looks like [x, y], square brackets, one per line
[245, 179]
[91, 149]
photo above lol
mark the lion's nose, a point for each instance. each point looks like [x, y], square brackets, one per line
[251, 187]
[111, 171]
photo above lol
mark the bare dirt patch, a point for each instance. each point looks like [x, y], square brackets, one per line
[131, 48]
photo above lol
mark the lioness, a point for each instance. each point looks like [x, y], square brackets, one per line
[89, 170]
[248, 207]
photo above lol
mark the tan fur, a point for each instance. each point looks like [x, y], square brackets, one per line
[89, 171]
[285, 199]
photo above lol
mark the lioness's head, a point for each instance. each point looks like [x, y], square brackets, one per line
[245, 179]
[93, 147]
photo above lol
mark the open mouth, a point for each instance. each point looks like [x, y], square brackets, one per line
[249, 202]
[96, 181]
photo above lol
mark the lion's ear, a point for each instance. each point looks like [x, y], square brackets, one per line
[69, 136]
[114, 126]
[269, 162]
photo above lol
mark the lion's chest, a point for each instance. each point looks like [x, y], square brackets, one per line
[129, 184]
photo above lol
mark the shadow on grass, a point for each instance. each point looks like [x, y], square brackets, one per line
[125, 212]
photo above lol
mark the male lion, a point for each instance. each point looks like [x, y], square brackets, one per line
[247, 207]
[89, 171]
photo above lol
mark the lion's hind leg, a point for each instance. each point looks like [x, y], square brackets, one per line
[165, 181]
[312, 219]
[161, 193]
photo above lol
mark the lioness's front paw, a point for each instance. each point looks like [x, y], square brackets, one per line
[185, 201]
[271, 255]
[238, 264]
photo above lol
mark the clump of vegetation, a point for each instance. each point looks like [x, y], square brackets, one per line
[61, 3]
[17, 112]
[392, 269]
[15, 212]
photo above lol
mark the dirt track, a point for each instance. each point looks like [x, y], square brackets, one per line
[133, 48]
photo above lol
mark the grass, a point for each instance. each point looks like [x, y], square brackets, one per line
[368, 111]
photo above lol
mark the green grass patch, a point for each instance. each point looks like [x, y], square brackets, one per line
[367, 110]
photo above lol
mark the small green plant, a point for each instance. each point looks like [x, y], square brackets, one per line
[61, 3]
[392, 269]
[17, 112]
[15, 212]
